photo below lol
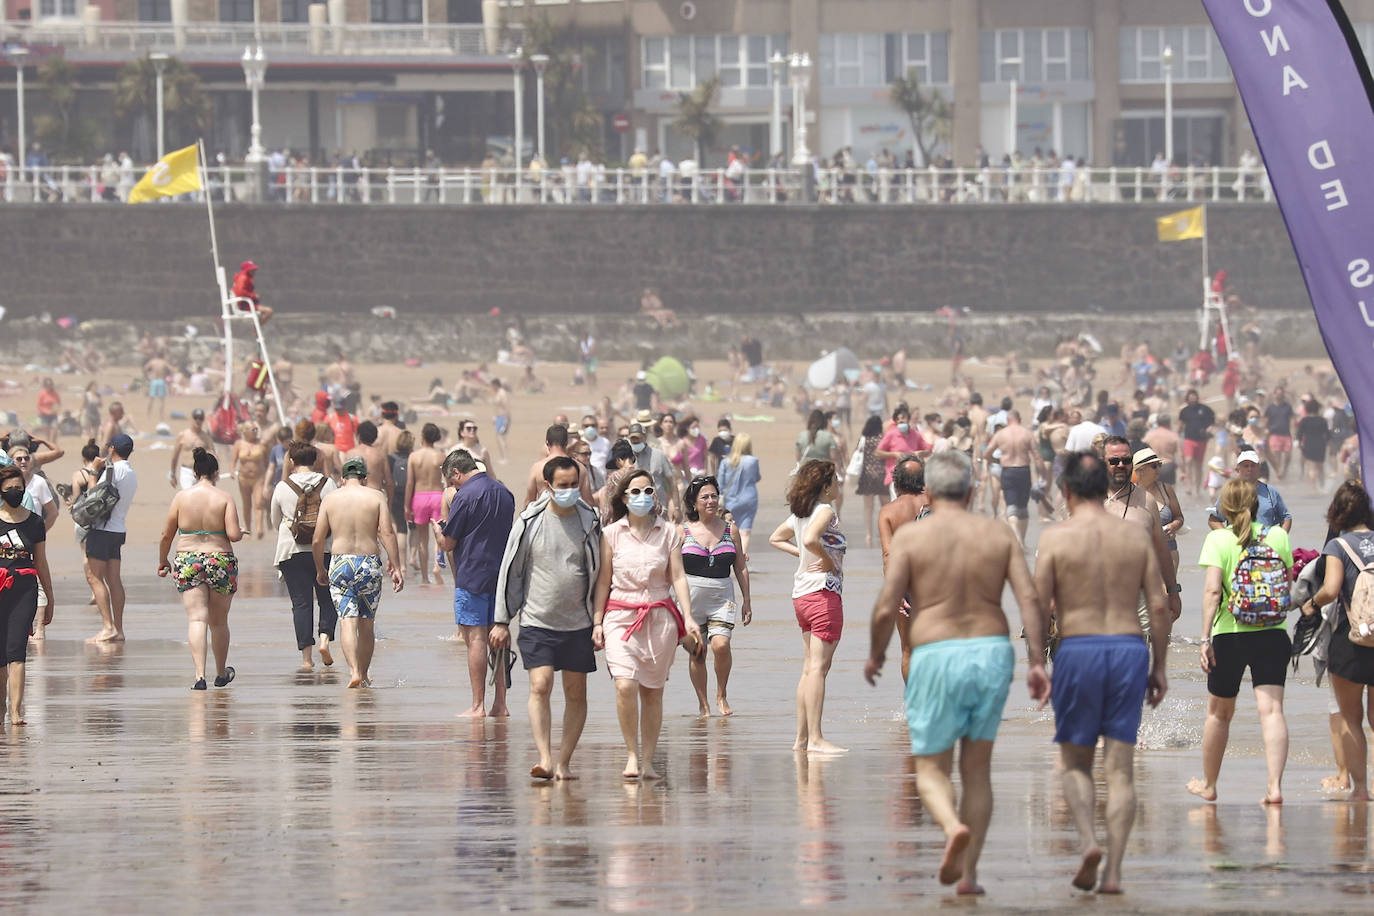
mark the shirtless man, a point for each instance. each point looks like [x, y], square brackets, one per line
[425, 493]
[1018, 451]
[953, 567]
[1090, 571]
[909, 480]
[978, 422]
[1127, 501]
[555, 446]
[181, 476]
[1165, 443]
[377, 460]
[116, 424]
[155, 371]
[356, 516]
[388, 430]
[267, 427]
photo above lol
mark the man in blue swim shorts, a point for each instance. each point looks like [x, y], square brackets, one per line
[952, 567]
[358, 519]
[1091, 569]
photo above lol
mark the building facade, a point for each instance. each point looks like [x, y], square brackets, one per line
[392, 78]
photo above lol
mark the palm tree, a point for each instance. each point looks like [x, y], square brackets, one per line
[694, 118]
[575, 121]
[188, 110]
[66, 136]
[927, 110]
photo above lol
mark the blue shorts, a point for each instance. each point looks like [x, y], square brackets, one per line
[956, 688]
[157, 388]
[1099, 688]
[473, 610]
[501, 425]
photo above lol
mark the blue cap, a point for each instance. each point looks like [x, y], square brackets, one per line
[122, 444]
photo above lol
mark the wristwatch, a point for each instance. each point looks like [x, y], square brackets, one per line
[1175, 589]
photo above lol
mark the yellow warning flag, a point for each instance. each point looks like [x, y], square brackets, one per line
[175, 173]
[1185, 224]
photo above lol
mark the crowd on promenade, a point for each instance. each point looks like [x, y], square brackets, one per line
[631, 537]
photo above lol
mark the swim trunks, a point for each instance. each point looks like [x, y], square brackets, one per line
[355, 584]
[956, 688]
[157, 388]
[1099, 688]
[217, 571]
[427, 506]
[501, 424]
[471, 609]
[1280, 444]
[1016, 489]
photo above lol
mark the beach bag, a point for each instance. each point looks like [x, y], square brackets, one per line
[1259, 586]
[97, 504]
[856, 462]
[307, 514]
[1361, 610]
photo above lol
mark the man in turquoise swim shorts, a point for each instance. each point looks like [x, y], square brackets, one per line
[1092, 569]
[952, 567]
[358, 519]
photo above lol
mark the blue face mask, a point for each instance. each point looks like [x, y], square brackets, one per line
[565, 499]
[589, 433]
[904, 428]
[637, 447]
[641, 505]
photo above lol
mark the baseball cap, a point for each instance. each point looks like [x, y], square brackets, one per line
[198, 414]
[337, 400]
[1248, 455]
[355, 467]
[641, 375]
[248, 265]
[122, 444]
[1145, 456]
[636, 429]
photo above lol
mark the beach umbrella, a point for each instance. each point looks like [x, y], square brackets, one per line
[831, 367]
[669, 377]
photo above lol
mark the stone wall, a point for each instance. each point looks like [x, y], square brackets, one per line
[153, 260]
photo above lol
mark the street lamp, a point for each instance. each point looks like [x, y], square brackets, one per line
[1167, 59]
[540, 61]
[779, 65]
[1015, 64]
[17, 56]
[254, 63]
[159, 59]
[517, 65]
[801, 79]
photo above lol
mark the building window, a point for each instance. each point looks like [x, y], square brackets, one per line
[235, 10]
[1045, 55]
[54, 9]
[1198, 57]
[925, 53]
[603, 67]
[683, 62]
[852, 59]
[397, 11]
[154, 10]
[296, 10]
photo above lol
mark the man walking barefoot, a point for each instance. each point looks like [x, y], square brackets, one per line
[1091, 569]
[548, 579]
[356, 516]
[953, 566]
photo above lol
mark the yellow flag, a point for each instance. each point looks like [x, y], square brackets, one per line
[175, 173]
[1185, 224]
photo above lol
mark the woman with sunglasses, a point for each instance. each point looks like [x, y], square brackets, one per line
[45, 506]
[636, 621]
[708, 558]
[23, 574]
[468, 441]
[812, 535]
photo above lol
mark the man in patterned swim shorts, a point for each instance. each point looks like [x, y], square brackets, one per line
[358, 519]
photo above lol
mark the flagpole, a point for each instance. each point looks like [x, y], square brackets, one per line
[224, 307]
[1206, 272]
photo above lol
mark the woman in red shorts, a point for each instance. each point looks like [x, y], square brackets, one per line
[812, 535]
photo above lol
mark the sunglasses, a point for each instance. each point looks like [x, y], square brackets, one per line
[1118, 461]
[635, 491]
[22, 458]
[467, 429]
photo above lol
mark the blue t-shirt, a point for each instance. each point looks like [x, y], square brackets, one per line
[739, 483]
[1272, 510]
[479, 520]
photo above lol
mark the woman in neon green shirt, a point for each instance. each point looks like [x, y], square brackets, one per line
[1229, 646]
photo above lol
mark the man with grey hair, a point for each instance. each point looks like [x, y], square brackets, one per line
[478, 525]
[952, 567]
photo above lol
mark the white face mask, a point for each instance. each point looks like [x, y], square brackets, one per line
[637, 447]
[726, 435]
[835, 422]
[694, 431]
[565, 499]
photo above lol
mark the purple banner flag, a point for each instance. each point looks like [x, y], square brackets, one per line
[1310, 99]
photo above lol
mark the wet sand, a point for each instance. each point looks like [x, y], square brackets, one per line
[286, 791]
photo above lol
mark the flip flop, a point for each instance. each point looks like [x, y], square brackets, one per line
[224, 681]
[494, 657]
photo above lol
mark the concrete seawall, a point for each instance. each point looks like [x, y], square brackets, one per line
[153, 261]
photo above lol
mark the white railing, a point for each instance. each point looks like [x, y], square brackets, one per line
[465, 40]
[486, 186]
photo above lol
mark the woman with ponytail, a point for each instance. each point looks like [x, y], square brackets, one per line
[1238, 634]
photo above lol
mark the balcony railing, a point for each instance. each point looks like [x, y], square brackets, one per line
[290, 38]
[340, 185]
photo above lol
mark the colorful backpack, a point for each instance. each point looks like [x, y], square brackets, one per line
[1260, 586]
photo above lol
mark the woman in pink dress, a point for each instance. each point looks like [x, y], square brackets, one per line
[636, 621]
[694, 447]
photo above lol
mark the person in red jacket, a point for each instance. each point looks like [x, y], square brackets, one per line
[243, 290]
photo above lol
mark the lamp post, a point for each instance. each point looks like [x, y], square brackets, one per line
[517, 65]
[779, 65]
[801, 79]
[254, 73]
[17, 56]
[1015, 63]
[540, 61]
[1167, 59]
[159, 59]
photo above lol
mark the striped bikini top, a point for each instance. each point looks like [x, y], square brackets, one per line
[715, 563]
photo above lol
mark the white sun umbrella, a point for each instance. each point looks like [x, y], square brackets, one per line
[830, 368]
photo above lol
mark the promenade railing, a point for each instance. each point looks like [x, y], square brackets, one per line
[476, 186]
